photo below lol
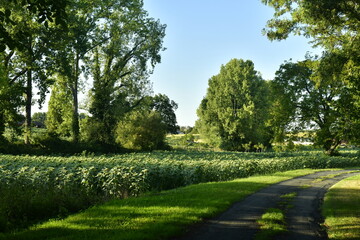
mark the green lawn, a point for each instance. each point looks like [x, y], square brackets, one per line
[341, 210]
[153, 216]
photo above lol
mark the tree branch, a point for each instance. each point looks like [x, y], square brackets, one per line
[7, 58]
[19, 74]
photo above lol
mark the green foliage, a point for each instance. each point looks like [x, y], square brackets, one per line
[114, 42]
[120, 65]
[307, 97]
[59, 115]
[234, 110]
[330, 23]
[43, 11]
[39, 119]
[333, 25]
[10, 97]
[166, 108]
[142, 131]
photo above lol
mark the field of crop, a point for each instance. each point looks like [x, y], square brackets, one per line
[36, 188]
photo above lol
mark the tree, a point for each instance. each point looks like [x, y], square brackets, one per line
[39, 119]
[309, 98]
[166, 108]
[332, 24]
[69, 50]
[43, 11]
[141, 130]
[27, 60]
[59, 115]
[11, 90]
[233, 113]
[120, 65]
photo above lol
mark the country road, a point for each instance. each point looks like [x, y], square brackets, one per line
[303, 219]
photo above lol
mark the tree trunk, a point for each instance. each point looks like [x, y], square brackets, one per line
[28, 94]
[75, 116]
[28, 99]
[2, 125]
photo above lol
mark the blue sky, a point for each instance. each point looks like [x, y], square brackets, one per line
[202, 35]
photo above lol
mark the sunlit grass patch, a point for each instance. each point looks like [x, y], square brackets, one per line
[341, 209]
[272, 223]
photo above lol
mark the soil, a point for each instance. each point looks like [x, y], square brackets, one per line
[303, 219]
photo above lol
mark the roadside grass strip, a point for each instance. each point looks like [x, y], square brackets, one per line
[341, 209]
[153, 215]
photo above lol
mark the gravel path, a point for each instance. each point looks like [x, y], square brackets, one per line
[303, 220]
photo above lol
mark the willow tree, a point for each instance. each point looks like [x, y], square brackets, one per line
[233, 114]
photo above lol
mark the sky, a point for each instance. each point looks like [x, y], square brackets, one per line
[202, 35]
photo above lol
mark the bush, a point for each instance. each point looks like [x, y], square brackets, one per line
[141, 131]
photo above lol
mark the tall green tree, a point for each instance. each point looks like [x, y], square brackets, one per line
[120, 65]
[27, 59]
[69, 51]
[166, 108]
[233, 114]
[59, 115]
[11, 90]
[308, 98]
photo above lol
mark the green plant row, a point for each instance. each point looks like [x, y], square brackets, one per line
[36, 188]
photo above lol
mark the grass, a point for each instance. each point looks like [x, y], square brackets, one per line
[323, 178]
[154, 215]
[341, 209]
[273, 221]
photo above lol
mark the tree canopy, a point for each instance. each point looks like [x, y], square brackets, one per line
[303, 103]
[166, 108]
[45, 11]
[233, 113]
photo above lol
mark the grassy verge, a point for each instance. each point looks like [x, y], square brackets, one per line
[341, 209]
[153, 216]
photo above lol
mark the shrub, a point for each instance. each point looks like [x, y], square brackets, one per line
[141, 131]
